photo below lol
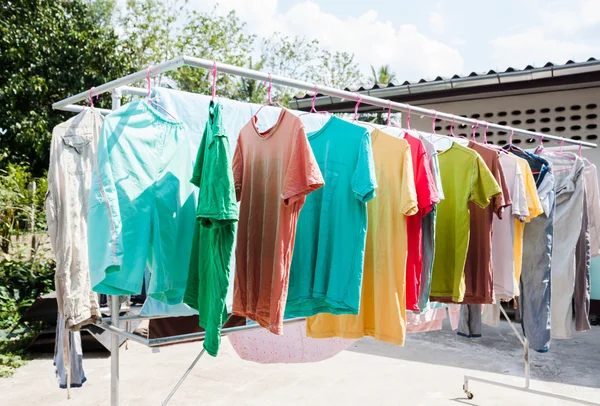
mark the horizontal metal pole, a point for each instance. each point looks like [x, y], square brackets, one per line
[383, 103]
[307, 86]
[153, 342]
[532, 391]
[113, 84]
[74, 108]
[119, 331]
[134, 317]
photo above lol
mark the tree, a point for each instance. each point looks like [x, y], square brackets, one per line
[383, 75]
[337, 70]
[49, 50]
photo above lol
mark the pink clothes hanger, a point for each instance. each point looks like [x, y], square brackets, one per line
[312, 107]
[91, 99]
[355, 119]
[269, 100]
[149, 96]
[214, 82]
[485, 133]
[389, 114]
[474, 130]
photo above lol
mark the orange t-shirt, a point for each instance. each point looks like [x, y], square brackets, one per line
[273, 172]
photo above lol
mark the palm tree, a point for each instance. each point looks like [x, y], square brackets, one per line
[383, 75]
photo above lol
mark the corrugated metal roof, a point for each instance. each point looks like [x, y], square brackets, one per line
[549, 69]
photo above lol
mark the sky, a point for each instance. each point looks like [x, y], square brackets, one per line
[429, 38]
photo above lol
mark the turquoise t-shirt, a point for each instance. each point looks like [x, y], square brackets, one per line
[327, 264]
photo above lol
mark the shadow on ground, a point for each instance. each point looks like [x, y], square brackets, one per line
[575, 361]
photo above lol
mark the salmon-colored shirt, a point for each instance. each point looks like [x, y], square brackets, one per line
[273, 172]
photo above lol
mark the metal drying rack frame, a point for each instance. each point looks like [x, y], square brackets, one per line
[118, 87]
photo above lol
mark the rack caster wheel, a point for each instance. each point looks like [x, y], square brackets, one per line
[469, 395]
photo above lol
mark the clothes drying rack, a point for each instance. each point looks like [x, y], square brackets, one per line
[120, 86]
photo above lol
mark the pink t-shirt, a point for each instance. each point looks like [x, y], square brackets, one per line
[427, 196]
[273, 172]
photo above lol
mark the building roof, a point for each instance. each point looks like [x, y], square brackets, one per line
[570, 73]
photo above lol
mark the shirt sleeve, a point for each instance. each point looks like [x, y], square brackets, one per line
[534, 203]
[364, 181]
[408, 199]
[519, 198]
[503, 199]
[221, 192]
[302, 175]
[483, 184]
[594, 212]
[238, 169]
[427, 194]
[199, 163]
[435, 171]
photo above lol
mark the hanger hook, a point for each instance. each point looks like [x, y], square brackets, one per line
[512, 134]
[148, 80]
[356, 107]
[408, 119]
[474, 129]
[487, 125]
[580, 147]
[269, 101]
[561, 144]
[91, 97]
[389, 117]
[542, 140]
[214, 83]
[433, 123]
[452, 127]
[314, 98]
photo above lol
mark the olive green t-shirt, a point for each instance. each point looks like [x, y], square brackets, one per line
[465, 177]
[214, 233]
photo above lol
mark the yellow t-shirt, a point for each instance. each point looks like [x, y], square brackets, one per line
[382, 303]
[465, 177]
[535, 209]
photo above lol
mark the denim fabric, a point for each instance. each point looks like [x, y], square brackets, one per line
[535, 283]
[470, 321]
[73, 356]
[569, 191]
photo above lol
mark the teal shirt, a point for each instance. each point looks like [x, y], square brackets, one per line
[328, 258]
[214, 232]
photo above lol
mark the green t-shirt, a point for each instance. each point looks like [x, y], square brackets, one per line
[214, 233]
[465, 177]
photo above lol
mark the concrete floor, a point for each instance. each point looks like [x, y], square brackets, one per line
[429, 370]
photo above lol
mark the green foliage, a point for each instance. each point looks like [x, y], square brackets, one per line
[383, 75]
[21, 207]
[49, 49]
[13, 350]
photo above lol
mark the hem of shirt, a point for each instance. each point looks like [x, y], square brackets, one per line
[84, 319]
[468, 300]
[231, 215]
[444, 298]
[331, 306]
[262, 321]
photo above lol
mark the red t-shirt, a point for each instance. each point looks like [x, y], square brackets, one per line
[427, 196]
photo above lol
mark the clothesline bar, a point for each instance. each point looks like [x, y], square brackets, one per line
[307, 86]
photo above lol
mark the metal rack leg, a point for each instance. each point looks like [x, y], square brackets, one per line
[183, 378]
[115, 307]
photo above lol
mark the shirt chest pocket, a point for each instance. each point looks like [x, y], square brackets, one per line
[76, 156]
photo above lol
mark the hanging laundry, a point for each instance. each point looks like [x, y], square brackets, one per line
[535, 280]
[534, 207]
[569, 190]
[465, 177]
[432, 319]
[505, 282]
[68, 357]
[294, 347]
[587, 247]
[328, 258]
[273, 171]
[214, 233]
[72, 161]
[382, 303]
[427, 197]
[142, 207]
[503, 259]
[479, 275]
[428, 227]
